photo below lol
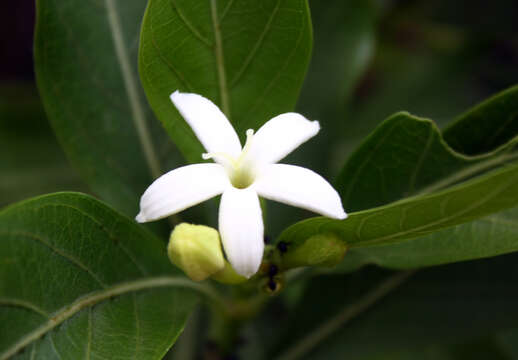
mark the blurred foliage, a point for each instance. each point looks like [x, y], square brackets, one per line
[31, 161]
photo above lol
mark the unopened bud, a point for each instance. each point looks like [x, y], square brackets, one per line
[318, 250]
[196, 249]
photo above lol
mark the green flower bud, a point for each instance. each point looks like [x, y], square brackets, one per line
[196, 249]
[318, 250]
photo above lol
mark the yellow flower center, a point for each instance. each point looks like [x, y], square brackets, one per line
[240, 170]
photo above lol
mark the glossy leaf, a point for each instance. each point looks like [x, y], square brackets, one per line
[490, 124]
[246, 56]
[407, 156]
[418, 216]
[86, 67]
[80, 281]
[490, 236]
[423, 163]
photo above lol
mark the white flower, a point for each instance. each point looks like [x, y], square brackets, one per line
[241, 175]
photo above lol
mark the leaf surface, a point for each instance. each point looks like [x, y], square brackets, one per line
[86, 68]
[408, 156]
[490, 236]
[80, 281]
[248, 57]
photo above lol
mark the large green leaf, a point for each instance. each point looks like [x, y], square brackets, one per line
[408, 156]
[490, 236]
[247, 56]
[372, 315]
[417, 216]
[86, 67]
[493, 235]
[80, 281]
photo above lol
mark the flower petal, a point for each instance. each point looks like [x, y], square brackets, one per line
[180, 189]
[280, 136]
[300, 187]
[209, 124]
[241, 229]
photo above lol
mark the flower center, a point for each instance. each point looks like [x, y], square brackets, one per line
[240, 171]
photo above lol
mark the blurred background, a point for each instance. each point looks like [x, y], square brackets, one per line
[31, 161]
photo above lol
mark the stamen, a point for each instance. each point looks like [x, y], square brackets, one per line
[228, 162]
[219, 156]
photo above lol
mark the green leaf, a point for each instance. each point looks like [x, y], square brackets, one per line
[373, 315]
[490, 236]
[407, 156]
[246, 56]
[490, 124]
[86, 67]
[80, 281]
[420, 215]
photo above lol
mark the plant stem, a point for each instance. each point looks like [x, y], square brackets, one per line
[349, 312]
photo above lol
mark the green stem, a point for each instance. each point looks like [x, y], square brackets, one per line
[310, 341]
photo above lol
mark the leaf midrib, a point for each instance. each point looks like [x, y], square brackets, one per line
[94, 298]
[428, 226]
[130, 84]
[220, 60]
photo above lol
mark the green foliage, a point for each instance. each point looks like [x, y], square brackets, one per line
[248, 57]
[489, 125]
[80, 281]
[86, 67]
[407, 156]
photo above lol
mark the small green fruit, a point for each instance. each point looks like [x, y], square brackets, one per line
[318, 250]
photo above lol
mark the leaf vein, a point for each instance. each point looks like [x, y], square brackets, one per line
[256, 47]
[130, 83]
[189, 26]
[71, 259]
[91, 299]
[7, 302]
